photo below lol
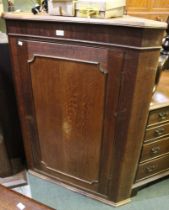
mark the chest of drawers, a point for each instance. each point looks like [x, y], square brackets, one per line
[154, 159]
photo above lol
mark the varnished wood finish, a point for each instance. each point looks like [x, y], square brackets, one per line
[157, 132]
[16, 180]
[152, 167]
[10, 199]
[154, 149]
[81, 98]
[151, 9]
[68, 116]
[153, 163]
[160, 115]
[151, 179]
[126, 21]
[160, 98]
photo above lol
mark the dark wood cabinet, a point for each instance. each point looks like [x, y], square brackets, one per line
[80, 86]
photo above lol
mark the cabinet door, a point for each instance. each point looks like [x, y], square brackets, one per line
[65, 92]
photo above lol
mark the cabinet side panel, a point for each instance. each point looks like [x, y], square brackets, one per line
[18, 56]
[129, 143]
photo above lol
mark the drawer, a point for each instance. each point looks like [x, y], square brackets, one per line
[158, 116]
[152, 167]
[155, 149]
[157, 132]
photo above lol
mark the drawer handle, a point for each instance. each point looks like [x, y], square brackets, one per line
[159, 131]
[151, 168]
[163, 115]
[155, 150]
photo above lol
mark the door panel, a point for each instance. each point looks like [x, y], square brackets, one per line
[69, 101]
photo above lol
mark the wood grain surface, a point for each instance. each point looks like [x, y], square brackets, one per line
[84, 98]
[10, 199]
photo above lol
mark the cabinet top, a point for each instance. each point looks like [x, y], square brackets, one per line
[161, 96]
[127, 21]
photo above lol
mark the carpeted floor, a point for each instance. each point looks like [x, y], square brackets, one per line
[154, 197]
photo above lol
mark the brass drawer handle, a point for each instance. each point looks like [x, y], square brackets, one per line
[155, 150]
[159, 131]
[151, 168]
[163, 115]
